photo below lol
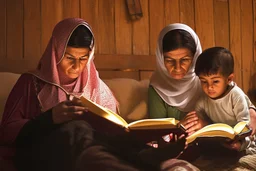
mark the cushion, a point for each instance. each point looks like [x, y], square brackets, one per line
[9, 79]
[131, 94]
[132, 97]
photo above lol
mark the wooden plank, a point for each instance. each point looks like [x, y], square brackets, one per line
[14, 32]
[51, 14]
[3, 7]
[187, 14]
[106, 27]
[17, 65]
[252, 90]
[123, 28]
[204, 22]
[145, 75]
[247, 41]
[32, 29]
[221, 23]
[156, 22]
[254, 31]
[89, 12]
[102, 62]
[235, 38]
[252, 85]
[118, 74]
[140, 35]
[171, 11]
[71, 8]
[128, 62]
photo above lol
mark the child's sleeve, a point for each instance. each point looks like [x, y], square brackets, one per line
[241, 104]
[200, 110]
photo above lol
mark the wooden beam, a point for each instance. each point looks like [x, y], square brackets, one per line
[126, 63]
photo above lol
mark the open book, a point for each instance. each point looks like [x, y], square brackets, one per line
[107, 121]
[221, 131]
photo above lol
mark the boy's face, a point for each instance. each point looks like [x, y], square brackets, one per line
[177, 62]
[215, 85]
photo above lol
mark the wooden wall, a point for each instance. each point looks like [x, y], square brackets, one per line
[126, 48]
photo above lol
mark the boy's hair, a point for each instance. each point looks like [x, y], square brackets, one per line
[80, 38]
[215, 60]
[178, 38]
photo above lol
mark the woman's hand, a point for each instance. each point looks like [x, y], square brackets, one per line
[67, 110]
[192, 123]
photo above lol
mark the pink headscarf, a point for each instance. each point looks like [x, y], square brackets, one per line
[88, 84]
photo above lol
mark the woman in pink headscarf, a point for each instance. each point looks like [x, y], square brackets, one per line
[65, 70]
[41, 105]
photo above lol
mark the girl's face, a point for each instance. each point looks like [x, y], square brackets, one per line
[215, 85]
[74, 61]
[177, 62]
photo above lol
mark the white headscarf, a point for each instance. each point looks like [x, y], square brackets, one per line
[182, 93]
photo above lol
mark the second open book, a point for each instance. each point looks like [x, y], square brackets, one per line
[106, 121]
[220, 132]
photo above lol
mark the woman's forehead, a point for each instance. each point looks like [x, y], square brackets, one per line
[179, 53]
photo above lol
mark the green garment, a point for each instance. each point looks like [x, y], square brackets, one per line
[158, 108]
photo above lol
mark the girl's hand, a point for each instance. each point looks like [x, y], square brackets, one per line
[67, 110]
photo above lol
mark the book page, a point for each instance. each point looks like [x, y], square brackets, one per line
[159, 123]
[103, 112]
[241, 127]
[213, 130]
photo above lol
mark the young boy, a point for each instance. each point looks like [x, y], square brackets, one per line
[223, 101]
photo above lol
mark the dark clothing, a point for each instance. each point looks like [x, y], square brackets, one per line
[42, 145]
[21, 106]
[73, 146]
[54, 150]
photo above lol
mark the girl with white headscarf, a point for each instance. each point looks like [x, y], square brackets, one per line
[174, 86]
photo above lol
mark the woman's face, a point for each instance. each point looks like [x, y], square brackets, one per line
[74, 61]
[177, 62]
